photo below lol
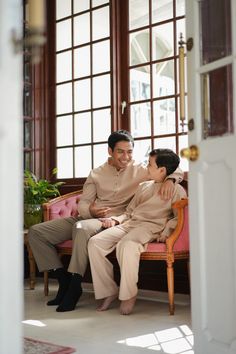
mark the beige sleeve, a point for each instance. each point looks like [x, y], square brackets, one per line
[177, 175]
[88, 196]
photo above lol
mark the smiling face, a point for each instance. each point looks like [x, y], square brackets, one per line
[121, 155]
[155, 173]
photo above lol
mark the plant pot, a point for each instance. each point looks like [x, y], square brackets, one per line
[32, 214]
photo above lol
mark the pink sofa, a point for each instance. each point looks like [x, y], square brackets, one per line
[176, 246]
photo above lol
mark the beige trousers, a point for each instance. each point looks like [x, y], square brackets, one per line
[43, 238]
[129, 243]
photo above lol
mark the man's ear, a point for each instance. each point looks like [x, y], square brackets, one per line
[109, 151]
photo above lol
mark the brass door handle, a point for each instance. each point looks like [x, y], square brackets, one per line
[191, 153]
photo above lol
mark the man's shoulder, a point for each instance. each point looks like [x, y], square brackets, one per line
[100, 168]
[146, 185]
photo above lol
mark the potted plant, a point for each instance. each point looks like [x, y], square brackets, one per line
[36, 192]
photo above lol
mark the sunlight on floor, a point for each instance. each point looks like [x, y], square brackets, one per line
[176, 340]
[34, 323]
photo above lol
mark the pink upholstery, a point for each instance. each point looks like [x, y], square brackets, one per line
[182, 243]
[65, 244]
[64, 208]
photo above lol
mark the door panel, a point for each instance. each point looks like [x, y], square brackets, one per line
[212, 177]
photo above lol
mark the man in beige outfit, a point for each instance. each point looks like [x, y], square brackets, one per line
[147, 218]
[107, 191]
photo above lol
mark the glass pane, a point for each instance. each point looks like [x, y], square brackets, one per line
[81, 29]
[183, 143]
[140, 83]
[162, 41]
[28, 160]
[164, 116]
[83, 128]
[180, 7]
[80, 5]
[217, 102]
[161, 10]
[27, 109]
[138, 13]
[215, 30]
[63, 64]
[163, 79]
[141, 119]
[101, 91]
[82, 62]
[64, 131]
[65, 163]
[99, 2]
[100, 154]
[27, 72]
[82, 161]
[64, 98]
[101, 124]
[28, 134]
[101, 57]
[82, 95]
[139, 47]
[63, 30]
[141, 150]
[63, 9]
[101, 23]
[165, 143]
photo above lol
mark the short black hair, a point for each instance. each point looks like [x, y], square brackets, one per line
[119, 135]
[166, 158]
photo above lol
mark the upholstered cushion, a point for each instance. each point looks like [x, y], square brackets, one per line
[64, 208]
[65, 244]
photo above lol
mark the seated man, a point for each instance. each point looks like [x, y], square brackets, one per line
[147, 218]
[107, 191]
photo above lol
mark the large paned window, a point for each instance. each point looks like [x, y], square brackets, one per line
[127, 47]
[83, 85]
[154, 29]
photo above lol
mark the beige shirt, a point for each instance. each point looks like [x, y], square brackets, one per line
[111, 188]
[149, 210]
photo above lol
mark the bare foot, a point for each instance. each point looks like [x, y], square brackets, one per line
[106, 303]
[127, 306]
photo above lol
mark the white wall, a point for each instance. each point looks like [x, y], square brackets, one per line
[11, 249]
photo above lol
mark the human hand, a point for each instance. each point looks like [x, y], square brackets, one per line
[167, 189]
[98, 212]
[107, 222]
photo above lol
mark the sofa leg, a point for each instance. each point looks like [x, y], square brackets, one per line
[45, 279]
[170, 285]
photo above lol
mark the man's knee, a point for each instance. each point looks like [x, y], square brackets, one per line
[34, 231]
[87, 227]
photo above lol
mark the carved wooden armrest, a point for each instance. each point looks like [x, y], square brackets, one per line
[180, 206]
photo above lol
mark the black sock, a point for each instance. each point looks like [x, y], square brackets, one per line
[72, 295]
[63, 278]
